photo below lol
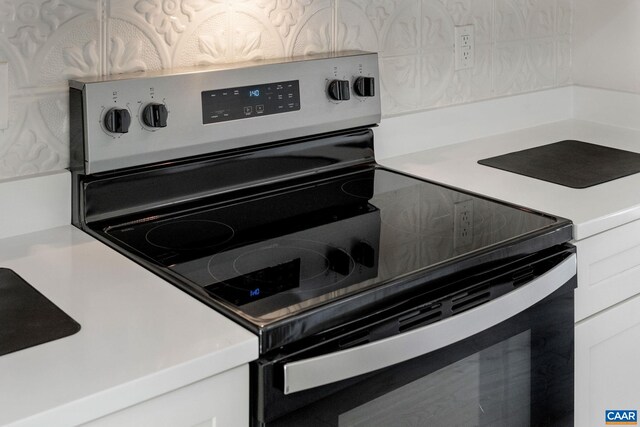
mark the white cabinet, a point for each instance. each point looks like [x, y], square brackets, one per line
[607, 367]
[218, 401]
[608, 269]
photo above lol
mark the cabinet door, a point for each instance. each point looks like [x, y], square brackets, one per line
[221, 400]
[607, 374]
[608, 269]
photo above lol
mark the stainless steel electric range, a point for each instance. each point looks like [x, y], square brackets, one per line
[376, 296]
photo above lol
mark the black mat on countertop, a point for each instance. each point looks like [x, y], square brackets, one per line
[27, 317]
[574, 164]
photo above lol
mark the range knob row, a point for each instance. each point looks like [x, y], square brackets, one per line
[338, 90]
[118, 120]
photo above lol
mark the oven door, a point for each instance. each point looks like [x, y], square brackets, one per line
[506, 362]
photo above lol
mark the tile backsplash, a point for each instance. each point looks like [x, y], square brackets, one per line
[521, 46]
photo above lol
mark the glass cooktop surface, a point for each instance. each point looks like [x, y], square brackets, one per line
[277, 253]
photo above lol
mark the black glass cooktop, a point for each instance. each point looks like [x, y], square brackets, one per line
[275, 254]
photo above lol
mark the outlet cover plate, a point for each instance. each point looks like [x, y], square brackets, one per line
[464, 47]
[4, 95]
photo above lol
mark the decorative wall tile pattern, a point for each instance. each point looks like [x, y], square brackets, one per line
[521, 45]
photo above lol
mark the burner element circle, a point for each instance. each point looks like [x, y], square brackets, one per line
[190, 234]
[315, 263]
[274, 262]
[361, 188]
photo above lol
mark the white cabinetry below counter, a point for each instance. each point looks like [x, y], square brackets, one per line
[608, 324]
[608, 269]
[607, 368]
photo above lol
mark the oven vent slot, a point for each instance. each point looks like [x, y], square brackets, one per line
[421, 317]
[470, 299]
[523, 276]
[354, 340]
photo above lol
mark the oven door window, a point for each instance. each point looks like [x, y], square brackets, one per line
[490, 387]
[516, 373]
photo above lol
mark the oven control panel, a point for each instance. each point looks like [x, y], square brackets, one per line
[244, 102]
[142, 118]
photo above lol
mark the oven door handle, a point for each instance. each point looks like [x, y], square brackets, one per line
[341, 365]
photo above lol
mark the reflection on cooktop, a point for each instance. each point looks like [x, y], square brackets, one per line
[275, 254]
[361, 187]
[271, 275]
[258, 284]
[251, 273]
[189, 235]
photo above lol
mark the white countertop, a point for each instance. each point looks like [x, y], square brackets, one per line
[140, 337]
[592, 210]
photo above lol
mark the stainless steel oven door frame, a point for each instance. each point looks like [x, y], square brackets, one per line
[318, 371]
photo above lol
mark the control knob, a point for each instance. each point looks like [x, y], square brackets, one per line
[117, 120]
[339, 90]
[365, 86]
[155, 115]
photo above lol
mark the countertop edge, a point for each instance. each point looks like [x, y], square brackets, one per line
[135, 392]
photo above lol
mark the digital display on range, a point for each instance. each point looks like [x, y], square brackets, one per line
[259, 284]
[236, 103]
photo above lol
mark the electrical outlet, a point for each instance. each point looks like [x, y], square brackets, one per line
[464, 46]
[463, 223]
[4, 95]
